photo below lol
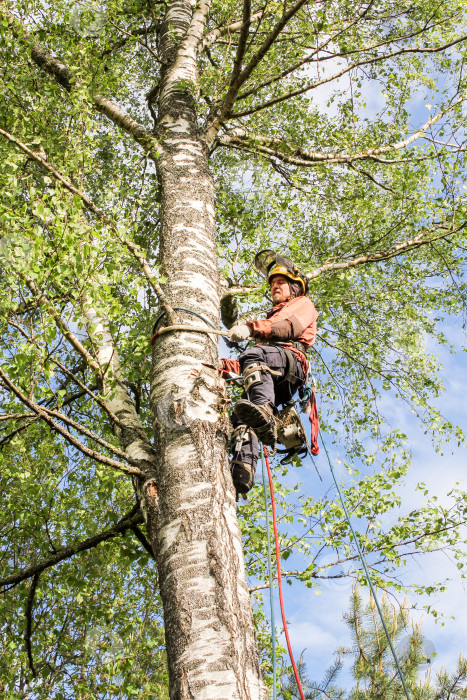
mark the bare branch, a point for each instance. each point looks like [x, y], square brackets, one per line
[15, 416]
[237, 291]
[28, 631]
[119, 117]
[134, 517]
[398, 249]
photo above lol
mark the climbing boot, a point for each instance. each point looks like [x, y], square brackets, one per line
[258, 418]
[243, 476]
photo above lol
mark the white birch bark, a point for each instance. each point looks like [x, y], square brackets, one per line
[130, 431]
[211, 645]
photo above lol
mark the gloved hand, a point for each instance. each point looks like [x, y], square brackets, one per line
[239, 333]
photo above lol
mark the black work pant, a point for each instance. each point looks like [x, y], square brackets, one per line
[274, 390]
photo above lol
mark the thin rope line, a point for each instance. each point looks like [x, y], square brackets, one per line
[279, 577]
[362, 559]
[271, 592]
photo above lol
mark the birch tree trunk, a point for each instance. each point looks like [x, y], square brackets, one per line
[211, 645]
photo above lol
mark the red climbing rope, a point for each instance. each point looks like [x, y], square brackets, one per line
[279, 576]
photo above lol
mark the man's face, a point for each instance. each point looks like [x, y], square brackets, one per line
[280, 290]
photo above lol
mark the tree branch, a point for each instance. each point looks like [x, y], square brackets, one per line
[69, 335]
[296, 155]
[28, 631]
[216, 34]
[254, 90]
[316, 83]
[5, 440]
[64, 76]
[42, 413]
[239, 79]
[89, 391]
[142, 31]
[77, 426]
[242, 42]
[134, 517]
[195, 31]
[90, 206]
[142, 539]
[397, 249]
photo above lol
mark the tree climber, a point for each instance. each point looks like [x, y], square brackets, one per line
[274, 368]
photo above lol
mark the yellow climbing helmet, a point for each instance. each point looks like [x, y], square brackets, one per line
[270, 264]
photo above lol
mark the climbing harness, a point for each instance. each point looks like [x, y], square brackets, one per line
[252, 374]
[290, 431]
[367, 573]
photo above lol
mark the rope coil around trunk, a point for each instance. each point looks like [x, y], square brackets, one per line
[181, 327]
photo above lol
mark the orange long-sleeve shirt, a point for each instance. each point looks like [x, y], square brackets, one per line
[291, 320]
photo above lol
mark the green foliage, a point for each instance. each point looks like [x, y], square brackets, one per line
[380, 323]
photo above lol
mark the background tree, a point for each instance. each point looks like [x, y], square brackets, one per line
[374, 668]
[128, 130]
